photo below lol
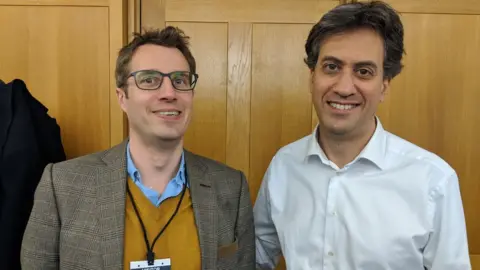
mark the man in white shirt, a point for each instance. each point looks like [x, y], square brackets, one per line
[352, 196]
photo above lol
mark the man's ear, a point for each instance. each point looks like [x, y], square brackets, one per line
[122, 97]
[385, 89]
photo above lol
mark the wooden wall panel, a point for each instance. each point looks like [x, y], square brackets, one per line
[264, 11]
[238, 96]
[92, 3]
[475, 260]
[152, 13]
[280, 104]
[118, 25]
[207, 132]
[436, 6]
[51, 49]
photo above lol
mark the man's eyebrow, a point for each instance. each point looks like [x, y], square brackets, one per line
[333, 59]
[366, 64]
[356, 65]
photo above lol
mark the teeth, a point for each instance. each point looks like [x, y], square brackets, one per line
[342, 106]
[173, 113]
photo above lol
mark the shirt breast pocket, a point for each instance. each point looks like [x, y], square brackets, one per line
[227, 256]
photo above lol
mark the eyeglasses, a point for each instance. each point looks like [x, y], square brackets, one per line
[152, 79]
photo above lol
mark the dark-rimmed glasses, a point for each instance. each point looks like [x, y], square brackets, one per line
[153, 79]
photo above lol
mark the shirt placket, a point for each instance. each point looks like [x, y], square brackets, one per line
[330, 222]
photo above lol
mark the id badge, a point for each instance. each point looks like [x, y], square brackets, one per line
[161, 264]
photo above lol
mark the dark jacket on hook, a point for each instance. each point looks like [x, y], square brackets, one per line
[29, 140]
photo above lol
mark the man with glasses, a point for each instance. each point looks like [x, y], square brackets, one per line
[147, 203]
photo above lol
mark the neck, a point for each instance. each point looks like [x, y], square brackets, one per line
[156, 160]
[343, 149]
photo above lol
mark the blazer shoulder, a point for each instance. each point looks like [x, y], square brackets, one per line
[91, 160]
[113, 158]
[211, 165]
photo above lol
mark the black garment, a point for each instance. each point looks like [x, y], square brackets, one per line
[29, 140]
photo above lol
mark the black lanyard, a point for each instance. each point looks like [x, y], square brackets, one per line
[150, 253]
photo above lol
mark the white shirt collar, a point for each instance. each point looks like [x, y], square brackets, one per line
[374, 151]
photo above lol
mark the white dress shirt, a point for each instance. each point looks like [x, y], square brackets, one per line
[394, 207]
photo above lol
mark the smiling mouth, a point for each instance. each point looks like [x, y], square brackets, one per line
[343, 107]
[169, 113]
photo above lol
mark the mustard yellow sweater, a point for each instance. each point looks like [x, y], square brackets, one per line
[179, 241]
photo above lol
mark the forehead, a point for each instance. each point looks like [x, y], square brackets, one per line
[159, 58]
[354, 46]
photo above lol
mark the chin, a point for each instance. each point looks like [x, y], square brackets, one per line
[338, 128]
[169, 135]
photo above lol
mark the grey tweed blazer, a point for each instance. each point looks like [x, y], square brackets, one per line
[77, 221]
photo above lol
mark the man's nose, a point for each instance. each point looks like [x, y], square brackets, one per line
[167, 91]
[345, 86]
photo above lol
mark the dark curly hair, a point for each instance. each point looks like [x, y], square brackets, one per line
[374, 15]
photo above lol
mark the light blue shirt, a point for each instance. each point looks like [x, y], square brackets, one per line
[173, 189]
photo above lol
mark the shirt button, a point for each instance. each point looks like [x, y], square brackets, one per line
[334, 213]
[330, 254]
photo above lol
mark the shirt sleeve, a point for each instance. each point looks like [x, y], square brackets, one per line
[447, 248]
[268, 249]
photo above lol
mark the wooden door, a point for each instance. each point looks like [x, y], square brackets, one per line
[65, 51]
[252, 96]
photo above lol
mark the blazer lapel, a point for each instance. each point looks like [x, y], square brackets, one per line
[204, 207]
[111, 188]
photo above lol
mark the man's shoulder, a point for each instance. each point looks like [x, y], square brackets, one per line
[88, 160]
[96, 161]
[293, 151]
[409, 152]
[208, 164]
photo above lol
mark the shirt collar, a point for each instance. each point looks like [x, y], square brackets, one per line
[135, 175]
[374, 151]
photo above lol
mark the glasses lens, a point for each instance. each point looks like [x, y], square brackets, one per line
[183, 80]
[148, 79]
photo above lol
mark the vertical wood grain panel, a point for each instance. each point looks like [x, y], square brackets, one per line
[436, 6]
[281, 105]
[207, 132]
[433, 103]
[118, 37]
[50, 49]
[238, 96]
[254, 11]
[152, 14]
[92, 3]
[134, 19]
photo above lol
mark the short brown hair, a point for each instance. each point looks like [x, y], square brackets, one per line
[374, 15]
[171, 37]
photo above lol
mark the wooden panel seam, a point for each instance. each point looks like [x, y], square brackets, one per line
[118, 26]
[134, 20]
